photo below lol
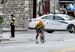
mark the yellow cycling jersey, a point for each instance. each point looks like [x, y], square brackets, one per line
[39, 24]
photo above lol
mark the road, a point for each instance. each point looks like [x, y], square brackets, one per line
[59, 41]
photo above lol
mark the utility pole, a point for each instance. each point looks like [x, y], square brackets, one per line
[34, 8]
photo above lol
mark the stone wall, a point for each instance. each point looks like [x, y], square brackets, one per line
[22, 10]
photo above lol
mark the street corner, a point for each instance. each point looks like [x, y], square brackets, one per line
[66, 50]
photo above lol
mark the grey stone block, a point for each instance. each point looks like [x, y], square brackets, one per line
[20, 8]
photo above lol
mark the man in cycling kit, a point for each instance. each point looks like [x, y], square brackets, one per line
[39, 31]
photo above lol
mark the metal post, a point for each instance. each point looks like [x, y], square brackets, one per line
[34, 8]
[54, 10]
[39, 7]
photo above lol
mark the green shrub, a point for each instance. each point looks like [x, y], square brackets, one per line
[1, 20]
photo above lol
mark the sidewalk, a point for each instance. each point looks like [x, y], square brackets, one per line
[24, 37]
[6, 36]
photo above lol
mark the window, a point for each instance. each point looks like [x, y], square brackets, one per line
[48, 17]
[69, 17]
[45, 17]
[58, 18]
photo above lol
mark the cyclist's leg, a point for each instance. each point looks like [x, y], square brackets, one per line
[37, 34]
[41, 35]
[42, 39]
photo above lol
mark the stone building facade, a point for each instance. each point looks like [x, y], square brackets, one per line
[22, 10]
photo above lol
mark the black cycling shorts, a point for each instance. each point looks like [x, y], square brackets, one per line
[39, 30]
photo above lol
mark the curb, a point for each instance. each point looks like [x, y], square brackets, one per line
[15, 30]
[4, 39]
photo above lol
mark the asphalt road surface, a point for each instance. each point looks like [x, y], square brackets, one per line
[59, 41]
